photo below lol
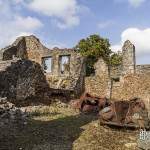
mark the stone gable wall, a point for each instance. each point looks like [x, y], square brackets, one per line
[29, 48]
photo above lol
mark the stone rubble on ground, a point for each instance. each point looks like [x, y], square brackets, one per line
[9, 114]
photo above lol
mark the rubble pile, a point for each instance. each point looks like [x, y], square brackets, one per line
[11, 115]
[22, 81]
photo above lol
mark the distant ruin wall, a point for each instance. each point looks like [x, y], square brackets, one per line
[143, 69]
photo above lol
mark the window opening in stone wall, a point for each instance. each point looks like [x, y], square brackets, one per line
[65, 64]
[47, 64]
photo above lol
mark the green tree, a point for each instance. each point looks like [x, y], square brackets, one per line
[94, 47]
[116, 59]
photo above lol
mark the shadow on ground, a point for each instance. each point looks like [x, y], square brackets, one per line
[58, 134]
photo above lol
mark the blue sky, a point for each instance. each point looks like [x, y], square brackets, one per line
[63, 23]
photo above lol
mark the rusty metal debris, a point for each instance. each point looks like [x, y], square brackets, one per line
[132, 113]
[89, 103]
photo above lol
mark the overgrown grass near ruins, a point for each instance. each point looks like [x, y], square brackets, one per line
[61, 128]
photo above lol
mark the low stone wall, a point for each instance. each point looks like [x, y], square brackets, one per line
[143, 69]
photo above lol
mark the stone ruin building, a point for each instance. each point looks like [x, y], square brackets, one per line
[28, 69]
[122, 82]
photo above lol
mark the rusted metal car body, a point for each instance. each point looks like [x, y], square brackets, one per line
[88, 103]
[132, 113]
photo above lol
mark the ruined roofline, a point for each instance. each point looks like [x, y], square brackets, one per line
[143, 65]
[16, 42]
[127, 45]
[69, 50]
[59, 49]
[128, 42]
[19, 39]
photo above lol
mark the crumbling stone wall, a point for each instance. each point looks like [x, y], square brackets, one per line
[124, 82]
[98, 84]
[108, 80]
[35, 49]
[115, 71]
[22, 80]
[132, 85]
[16, 50]
[30, 48]
[101, 68]
[134, 80]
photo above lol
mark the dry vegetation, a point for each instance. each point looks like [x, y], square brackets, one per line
[61, 128]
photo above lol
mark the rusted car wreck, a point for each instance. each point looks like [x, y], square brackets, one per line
[132, 113]
[88, 103]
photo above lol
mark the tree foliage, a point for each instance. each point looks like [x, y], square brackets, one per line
[94, 47]
[115, 59]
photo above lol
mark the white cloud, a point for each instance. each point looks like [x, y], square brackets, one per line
[65, 12]
[140, 38]
[27, 23]
[13, 24]
[136, 3]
